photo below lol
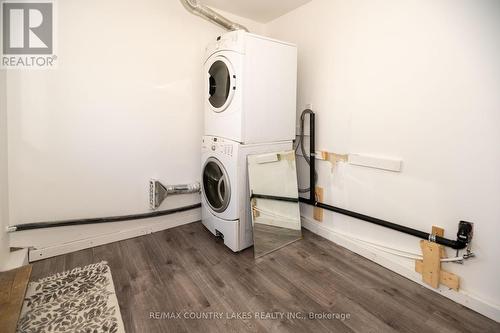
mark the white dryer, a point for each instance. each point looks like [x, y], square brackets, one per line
[225, 198]
[250, 88]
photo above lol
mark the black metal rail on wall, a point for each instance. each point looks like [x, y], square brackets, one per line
[464, 233]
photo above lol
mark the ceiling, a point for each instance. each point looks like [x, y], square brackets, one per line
[258, 10]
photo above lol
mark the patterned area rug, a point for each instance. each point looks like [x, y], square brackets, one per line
[81, 300]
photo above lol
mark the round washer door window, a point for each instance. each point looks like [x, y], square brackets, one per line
[216, 185]
[220, 84]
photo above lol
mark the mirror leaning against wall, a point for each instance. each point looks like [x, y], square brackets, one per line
[274, 196]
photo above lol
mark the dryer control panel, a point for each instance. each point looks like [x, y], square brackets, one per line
[231, 41]
[218, 145]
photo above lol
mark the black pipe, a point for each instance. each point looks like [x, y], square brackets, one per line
[65, 223]
[458, 244]
[455, 244]
[312, 156]
[273, 197]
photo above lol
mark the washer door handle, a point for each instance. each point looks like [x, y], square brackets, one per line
[219, 193]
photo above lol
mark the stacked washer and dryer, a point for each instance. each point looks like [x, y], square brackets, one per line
[250, 105]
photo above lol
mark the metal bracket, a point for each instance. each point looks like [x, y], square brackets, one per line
[157, 193]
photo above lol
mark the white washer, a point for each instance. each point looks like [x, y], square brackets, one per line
[250, 88]
[225, 198]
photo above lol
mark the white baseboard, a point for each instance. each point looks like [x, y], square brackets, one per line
[462, 297]
[140, 227]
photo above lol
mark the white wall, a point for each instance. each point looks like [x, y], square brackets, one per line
[417, 80]
[4, 246]
[124, 105]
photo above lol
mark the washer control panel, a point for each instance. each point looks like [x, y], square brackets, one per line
[217, 145]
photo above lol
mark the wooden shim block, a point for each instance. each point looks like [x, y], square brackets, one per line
[438, 231]
[318, 212]
[429, 250]
[431, 268]
[448, 279]
[13, 288]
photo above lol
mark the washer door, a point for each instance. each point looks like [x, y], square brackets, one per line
[216, 186]
[221, 83]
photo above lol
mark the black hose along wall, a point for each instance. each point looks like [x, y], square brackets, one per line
[41, 225]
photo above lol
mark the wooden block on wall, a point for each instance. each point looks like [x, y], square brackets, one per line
[431, 268]
[446, 278]
[439, 232]
[450, 280]
[318, 212]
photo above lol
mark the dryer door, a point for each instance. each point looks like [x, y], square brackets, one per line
[220, 83]
[216, 186]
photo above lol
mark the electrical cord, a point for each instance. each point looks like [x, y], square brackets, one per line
[393, 251]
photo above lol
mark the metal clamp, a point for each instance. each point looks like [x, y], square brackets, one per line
[11, 228]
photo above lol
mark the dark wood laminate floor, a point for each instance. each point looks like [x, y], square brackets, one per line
[185, 269]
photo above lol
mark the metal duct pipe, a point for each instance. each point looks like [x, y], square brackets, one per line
[197, 8]
[185, 188]
[159, 192]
